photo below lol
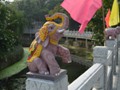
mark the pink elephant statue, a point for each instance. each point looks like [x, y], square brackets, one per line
[45, 47]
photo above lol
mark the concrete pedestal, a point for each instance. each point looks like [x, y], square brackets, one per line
[42, 82]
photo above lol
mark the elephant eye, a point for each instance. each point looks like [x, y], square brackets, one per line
[51, 27]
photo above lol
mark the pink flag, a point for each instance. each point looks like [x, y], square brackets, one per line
[82, 10]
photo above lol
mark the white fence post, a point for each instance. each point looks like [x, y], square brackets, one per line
[118, 45]
[112, 45]
[100, 56]
[118, 40]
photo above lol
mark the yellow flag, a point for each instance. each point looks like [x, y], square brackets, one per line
[114, 17]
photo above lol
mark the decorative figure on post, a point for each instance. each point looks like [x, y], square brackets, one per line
[45, 46]
[111, 33]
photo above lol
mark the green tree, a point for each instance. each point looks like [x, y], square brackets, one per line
[96, 25]
[35, 10]
[11, 27]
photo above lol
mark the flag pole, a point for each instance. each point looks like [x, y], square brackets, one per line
[103, 19]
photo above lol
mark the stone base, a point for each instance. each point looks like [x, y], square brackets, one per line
[43, 82]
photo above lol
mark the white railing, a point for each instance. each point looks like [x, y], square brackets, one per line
[88, 80]
[76, 34]
[100, 76]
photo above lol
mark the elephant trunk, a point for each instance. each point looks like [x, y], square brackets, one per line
[65, 20]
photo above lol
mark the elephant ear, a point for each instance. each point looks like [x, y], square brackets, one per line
[46, 42]
[41, 36]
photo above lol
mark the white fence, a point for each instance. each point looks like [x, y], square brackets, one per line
[100, 76]
[76, 34]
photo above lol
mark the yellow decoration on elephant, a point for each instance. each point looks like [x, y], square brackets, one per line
[35, 51]
[43, 33]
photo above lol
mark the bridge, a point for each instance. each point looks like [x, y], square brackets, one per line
[29, 34]
[67, 33]
[104, 74]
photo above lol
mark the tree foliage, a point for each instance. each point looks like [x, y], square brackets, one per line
[11, 27]
[97, 23]
[34, 10]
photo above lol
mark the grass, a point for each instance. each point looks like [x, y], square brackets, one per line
[15, 68]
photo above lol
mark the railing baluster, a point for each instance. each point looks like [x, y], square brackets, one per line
[112, 45]
[100, 56]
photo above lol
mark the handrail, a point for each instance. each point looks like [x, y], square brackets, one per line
[88, 79]
[76, 34]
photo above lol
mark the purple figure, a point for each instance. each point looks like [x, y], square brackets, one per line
[111, 33]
